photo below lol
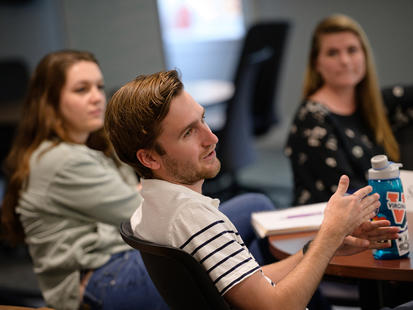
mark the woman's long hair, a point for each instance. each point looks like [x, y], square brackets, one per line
[368, 94]
[40, 121]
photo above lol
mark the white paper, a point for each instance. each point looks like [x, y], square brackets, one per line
[294, 219]
[407, 180]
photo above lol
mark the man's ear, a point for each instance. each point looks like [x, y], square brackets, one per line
[148, 159]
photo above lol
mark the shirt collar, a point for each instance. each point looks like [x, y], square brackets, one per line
[149, 184]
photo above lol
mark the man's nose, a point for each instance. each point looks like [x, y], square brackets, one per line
[209, 136]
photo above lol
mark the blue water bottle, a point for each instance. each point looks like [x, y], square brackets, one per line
[384, 177]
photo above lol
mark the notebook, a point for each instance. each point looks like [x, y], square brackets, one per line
[290, 220]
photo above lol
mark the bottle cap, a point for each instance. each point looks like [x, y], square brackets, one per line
[383, 169]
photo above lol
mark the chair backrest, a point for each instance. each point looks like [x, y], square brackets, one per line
[264, 38]
[14, 79]
[251, 110]
[395, 97]
[235, 149]
[179, 278]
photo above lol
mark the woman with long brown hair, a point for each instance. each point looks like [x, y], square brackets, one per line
[67, 193]
[342, 121]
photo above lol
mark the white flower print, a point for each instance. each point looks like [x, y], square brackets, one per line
[288, 151]
[315, 135]
[331, 144]
[349, 133]
[304, 197]
[319, 185]
[331, 162]
[302, 158]
[366, 141]
[357, 151]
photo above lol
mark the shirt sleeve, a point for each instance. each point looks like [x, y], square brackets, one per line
[216, 244]
[95, 189]
[317, 157]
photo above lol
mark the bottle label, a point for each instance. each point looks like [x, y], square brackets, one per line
[392, 208]
[403, 242]
[396, 206]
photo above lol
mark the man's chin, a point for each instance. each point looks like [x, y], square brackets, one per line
[213, 173]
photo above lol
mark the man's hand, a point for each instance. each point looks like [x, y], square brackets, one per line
[344, 214]
[369, 235]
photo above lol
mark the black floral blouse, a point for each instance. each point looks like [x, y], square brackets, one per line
[322, 146]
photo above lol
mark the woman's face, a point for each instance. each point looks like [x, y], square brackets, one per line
[341, 60]
[82, 100]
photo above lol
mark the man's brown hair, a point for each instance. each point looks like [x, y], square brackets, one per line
[135, 112]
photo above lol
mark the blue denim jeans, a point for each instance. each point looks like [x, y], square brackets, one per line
[122, 284]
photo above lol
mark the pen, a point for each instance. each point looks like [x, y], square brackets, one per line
[304, 214]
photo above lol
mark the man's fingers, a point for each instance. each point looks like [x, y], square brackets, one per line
[377, 230]
[383, 233]
[387, 236]
[363, 192]
[370, 204]
[376, 224]
[356, 242]
[342, 185]
[370, 199]
[373, 225]
[380, 244]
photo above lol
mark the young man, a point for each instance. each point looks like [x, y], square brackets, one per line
[158, 128]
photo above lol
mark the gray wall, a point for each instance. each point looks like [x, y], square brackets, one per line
[388, 24]
[124, 35]
[30, 29]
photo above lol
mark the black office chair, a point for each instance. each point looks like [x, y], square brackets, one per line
[251, 110]
[14, 80]
[18, 285]
[394, 97]
[179, 278]
[264, 39]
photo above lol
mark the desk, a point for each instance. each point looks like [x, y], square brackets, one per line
[359, 266]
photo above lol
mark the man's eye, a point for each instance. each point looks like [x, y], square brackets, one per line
[188, 132]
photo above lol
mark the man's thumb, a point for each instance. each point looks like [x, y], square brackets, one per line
[343, 185]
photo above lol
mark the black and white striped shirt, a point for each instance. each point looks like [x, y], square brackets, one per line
[178, 216]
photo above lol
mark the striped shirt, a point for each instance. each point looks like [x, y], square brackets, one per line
[175, 215]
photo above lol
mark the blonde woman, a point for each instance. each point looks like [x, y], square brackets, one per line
[342, 121]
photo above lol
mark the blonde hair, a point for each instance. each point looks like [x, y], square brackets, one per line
[368, 93]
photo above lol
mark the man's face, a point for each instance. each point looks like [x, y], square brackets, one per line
[188, 142]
